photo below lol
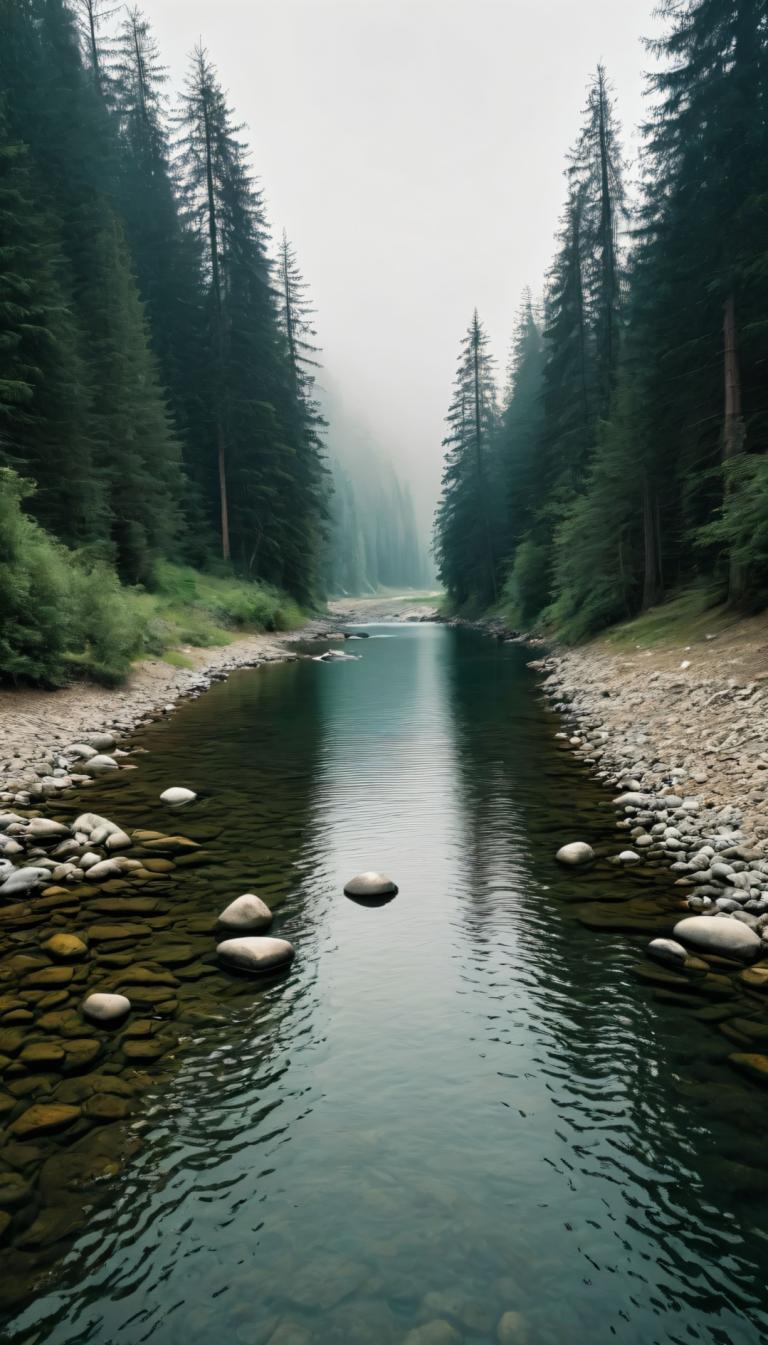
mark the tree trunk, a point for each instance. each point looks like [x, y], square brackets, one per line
[651, 548]
[213, 237]
[733, 422]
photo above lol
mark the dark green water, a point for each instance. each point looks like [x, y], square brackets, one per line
[457, 1105]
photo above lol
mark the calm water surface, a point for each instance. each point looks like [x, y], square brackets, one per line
[456, 1105]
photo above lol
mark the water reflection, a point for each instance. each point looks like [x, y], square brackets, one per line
[459, 1104]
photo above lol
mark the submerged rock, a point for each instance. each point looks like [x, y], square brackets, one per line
[370, 886]
[718, 934]
[104, 1008]
[255, 955]
[246, 915]
[44, 1119]
[65, 947]
[177, 796]
[575, 854]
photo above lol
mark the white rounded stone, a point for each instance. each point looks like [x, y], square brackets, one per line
[667, 950]
[44, 829]
[575, 854]
[629, 857]
[81, 751]
[370, 885]
[177, 795]
[104, 1008]
[255, 955]
[23, 880]
[246, 915]
[118, 840]
[100, 765]
[718, 934]
[105, 868]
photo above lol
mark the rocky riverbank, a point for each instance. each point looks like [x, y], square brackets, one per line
[683, 736]
[37, 727]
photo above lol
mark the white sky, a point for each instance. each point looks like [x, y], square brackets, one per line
[413, 149]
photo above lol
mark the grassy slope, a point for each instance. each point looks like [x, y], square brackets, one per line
[185, 607]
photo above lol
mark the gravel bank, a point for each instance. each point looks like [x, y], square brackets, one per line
[692, 720]
[36, 726]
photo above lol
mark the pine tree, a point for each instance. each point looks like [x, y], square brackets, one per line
[520, 447]
[704, 239]
[310, 487]
[466, 523]
[597, 170]
[166, 257]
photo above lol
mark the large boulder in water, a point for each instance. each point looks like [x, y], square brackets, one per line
[575, 854]
[255, 955]
[372, 887]
[718, 934]
[245, 915]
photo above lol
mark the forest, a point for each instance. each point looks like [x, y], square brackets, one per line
[158, 404]
[626, 460]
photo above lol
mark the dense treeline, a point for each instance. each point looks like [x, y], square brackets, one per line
[156, 379]
[628, 457]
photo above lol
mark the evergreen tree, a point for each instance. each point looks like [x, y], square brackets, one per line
[521, 426]
[466, 520]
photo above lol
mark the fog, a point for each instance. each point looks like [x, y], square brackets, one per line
[413, 150]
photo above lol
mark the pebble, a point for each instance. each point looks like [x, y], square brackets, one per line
[370, 885]
[177, 796]
[575, 854]
[255, 955]
[245, 915]
[105, 1008]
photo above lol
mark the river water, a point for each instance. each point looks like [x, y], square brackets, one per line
[456, 1106]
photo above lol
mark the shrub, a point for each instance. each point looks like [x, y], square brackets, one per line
[526, 591]
[34, 591]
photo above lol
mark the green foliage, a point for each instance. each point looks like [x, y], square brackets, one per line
[65, 613]
[526, 590]
[34, 592]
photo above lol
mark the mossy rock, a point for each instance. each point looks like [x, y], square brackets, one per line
[15, 1190]
[106, 1107]
[755, 1066]
[125, 905]
[754, 1028]
[52, 1224]
[81, 1053]
[107, 933]
[153, 864]
[137, 974]
[44, 1119]
[145, 1050]
[67, 1171]
[65, 948]
[48, 978]
[42, 1055]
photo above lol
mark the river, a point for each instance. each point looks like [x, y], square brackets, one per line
[456, 1106]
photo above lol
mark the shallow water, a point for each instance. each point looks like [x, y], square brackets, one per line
[457, 1105]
